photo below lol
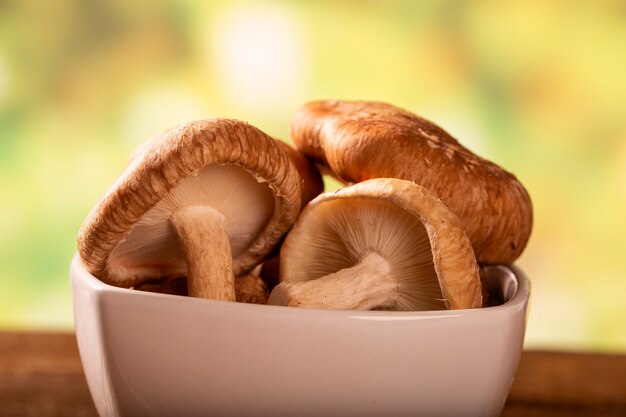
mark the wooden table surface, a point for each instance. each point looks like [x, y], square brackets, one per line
[41, 375]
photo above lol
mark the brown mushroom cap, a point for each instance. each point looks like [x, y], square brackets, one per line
[364, 140]
[127, 239]
[423, 254]
[312, 186]
[310, 178]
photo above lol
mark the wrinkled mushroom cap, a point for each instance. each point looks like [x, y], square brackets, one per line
[259, 197]
[415, 232]
[364, 140]
[311, 182]
[312, 185]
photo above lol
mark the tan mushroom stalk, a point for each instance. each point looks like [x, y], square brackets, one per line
[204, 240]
[207, 200]
[364, 140]
[381, 244]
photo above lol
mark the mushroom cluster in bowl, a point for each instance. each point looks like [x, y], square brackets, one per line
[401, 277]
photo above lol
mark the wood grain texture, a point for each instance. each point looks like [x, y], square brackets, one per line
[41, 375]
[568, 384]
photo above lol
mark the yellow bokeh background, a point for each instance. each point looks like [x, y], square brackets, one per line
[539, 87]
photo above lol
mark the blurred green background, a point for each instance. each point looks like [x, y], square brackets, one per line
[539, 87]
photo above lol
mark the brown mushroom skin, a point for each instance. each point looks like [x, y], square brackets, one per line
[312, 185]
[453, 256]
[270, 270]
[171, 286]
[162, 164]
[248, 288]
[251, 289]
[311, 182]
[364, 140]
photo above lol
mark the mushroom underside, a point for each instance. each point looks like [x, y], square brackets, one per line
[152, 249]
[342, 234]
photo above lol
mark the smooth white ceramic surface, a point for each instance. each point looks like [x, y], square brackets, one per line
[148, 354]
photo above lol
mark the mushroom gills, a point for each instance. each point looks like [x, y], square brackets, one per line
[368, 285]
[152, 250]
[381, 248]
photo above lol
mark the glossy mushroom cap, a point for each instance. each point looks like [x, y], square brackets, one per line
[227, 165]
[364, 140]
[383, 236]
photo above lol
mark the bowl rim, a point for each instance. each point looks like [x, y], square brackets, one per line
[519, 299]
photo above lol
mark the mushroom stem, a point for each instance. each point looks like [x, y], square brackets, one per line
[201, 232]
[368, 285]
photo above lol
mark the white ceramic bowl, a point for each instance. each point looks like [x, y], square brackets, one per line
[148, 354]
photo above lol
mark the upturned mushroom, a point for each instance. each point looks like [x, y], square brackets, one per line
[207, 200]
[364, 140]
[384, 244]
